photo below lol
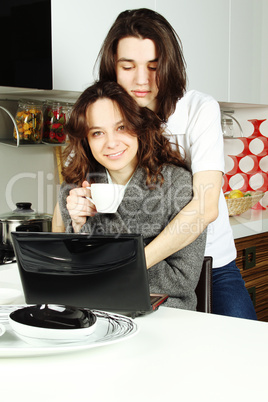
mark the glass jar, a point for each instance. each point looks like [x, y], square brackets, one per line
[29, 120]
[227, 127]
[56, 114]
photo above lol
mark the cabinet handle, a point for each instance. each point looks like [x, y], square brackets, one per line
[249, 257]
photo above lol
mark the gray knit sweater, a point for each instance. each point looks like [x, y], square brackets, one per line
[148, 211]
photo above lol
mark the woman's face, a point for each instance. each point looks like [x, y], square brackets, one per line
[110, 143]
[136, 63]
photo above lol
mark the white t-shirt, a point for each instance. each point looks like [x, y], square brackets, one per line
[196, 127]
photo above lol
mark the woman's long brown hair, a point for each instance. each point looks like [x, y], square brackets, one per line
[154, 149]
[171, 72]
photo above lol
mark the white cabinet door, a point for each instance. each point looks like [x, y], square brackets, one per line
[78, 30]
[248, 51]
[203, 27]
[264, 54]
[225, 43]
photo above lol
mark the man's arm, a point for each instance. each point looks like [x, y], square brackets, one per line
[191, 220]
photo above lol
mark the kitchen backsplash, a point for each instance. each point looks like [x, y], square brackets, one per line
[257, 147]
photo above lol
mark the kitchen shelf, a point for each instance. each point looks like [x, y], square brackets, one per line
[10, 141]
[13, 143]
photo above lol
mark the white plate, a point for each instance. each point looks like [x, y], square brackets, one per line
[110, 328]
[8, 295]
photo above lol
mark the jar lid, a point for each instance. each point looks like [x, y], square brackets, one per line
[227, 121]
[26, 104]
[50, 102]
[56, 102]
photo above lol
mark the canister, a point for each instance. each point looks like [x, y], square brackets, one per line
[56, 114]
[29, 120]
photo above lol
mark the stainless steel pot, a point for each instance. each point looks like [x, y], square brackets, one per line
[22, 219]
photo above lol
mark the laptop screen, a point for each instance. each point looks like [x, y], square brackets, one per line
[106, 272]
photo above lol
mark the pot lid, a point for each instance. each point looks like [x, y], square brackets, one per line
[23, 212]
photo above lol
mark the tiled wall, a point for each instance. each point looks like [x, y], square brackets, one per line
[235, 147]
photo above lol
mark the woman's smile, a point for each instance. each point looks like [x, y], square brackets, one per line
[116, 155]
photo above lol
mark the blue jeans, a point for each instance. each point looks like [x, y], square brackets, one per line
[229, 294]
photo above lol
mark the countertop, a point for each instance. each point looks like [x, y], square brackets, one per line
[249, 223]
[176, 355]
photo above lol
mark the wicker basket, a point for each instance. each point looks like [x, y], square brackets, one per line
[237, 206]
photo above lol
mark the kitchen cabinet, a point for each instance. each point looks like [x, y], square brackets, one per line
[225, 46]
[203, 27]
[78, 30]
[252, 260]
[248, 51]
[225, 43]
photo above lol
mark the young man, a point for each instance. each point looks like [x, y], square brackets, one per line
[142, 52]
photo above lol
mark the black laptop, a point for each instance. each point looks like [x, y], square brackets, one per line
[106, 272]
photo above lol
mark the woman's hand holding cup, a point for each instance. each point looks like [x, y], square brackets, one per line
[79, 206]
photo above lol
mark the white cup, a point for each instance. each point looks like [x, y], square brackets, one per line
[106, 197]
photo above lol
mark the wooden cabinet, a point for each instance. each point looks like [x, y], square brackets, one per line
[252, 260]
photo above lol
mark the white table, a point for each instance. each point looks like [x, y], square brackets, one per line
[178, 355]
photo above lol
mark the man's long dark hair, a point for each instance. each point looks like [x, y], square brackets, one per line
[170, 74]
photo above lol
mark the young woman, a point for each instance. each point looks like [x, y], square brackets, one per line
[112, 139]
[143, 53]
